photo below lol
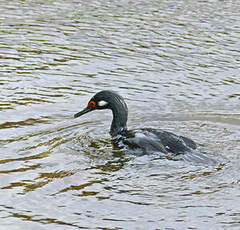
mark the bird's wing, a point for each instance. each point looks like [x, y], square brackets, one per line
[172, 142]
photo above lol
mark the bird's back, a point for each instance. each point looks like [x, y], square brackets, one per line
[151, 140]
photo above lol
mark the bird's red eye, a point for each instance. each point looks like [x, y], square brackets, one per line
[92, 104]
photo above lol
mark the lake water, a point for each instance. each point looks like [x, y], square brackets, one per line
[177, 64]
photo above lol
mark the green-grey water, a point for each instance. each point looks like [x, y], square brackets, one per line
[177, 65]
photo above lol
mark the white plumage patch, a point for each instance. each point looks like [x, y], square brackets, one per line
[102, 103]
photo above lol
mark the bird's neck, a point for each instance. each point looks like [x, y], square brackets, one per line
[119, 122]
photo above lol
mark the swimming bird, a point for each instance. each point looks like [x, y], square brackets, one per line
[144, 140]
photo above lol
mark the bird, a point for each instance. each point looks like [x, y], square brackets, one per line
[143, 140]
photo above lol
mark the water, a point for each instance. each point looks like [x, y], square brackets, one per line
[177, 65]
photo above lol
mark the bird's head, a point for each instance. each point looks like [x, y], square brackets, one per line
[103, 100]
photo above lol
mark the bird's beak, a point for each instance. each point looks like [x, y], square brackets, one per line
[86, 110]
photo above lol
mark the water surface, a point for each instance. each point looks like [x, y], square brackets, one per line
[177, 65]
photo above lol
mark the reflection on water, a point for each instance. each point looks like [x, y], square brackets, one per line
[177, 65]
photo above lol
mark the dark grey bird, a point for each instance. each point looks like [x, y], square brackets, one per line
[145, 140]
